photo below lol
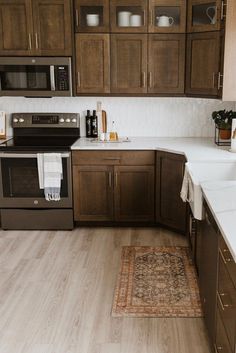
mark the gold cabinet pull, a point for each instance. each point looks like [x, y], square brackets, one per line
[110, 179]
[150, 79]
[222, 13]
[151, 14]
[143, 79]
[219, 85]
[30, 42]
[36, 41]
[78, 80]
[76, 17]
[225, 259]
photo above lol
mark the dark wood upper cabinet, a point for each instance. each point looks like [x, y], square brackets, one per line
[93, 193]
[134, 193]
[52, 26]
[92, 16]
[16, 28]
[35, 27]
[205, 15]
[166, 65]
[128, 63]
[128, 16]
[170, 209]
[93, 63]
[167, 16]
[203, 64]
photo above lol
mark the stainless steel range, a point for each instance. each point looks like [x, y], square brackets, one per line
[22, 202]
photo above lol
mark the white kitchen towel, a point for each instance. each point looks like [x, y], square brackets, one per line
[50, 174]
[186, 193]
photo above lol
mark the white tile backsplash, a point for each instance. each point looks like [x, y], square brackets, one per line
[162, 117]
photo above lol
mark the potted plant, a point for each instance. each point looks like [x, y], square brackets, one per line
[223, 120]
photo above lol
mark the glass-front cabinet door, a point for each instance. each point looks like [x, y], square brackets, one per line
[92, 15]
[167, 16]
[205, 15]
[128, 16]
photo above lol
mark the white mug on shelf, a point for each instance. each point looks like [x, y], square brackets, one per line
[124, 18]
[135, 20]
[92, 20]
[164, 21]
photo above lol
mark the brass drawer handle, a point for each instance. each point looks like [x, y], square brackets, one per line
[217, 348]
[223, 306]
[112, 159]
[116, 180]
[225, 259]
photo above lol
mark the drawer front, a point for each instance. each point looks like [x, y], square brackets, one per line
[221, 340]
[113, 157]
[227, 259]
[226, 299]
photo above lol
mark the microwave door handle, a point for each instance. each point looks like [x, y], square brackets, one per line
[52, 78]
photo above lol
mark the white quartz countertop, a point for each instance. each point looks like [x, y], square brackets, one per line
[221, 199]
[193, 148]
[221, 196]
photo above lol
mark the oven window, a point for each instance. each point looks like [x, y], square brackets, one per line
[25, 77]
[20, 178]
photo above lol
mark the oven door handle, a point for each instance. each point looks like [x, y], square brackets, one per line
[52, 78]
[27, 155]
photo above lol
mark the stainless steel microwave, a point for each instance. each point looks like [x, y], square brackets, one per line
[35, 76]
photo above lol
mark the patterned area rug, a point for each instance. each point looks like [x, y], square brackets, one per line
[156, 282]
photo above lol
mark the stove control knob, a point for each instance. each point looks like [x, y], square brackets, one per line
[67, 120]
[74, 120]
[15, 120]
[62, 120]
[21, 120]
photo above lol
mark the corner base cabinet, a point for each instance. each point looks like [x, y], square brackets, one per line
[113, 186]
[170, 209]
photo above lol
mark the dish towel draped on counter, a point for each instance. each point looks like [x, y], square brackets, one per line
[186, 193]
[50, 174]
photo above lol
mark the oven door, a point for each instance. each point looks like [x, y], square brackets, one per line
[19, 182]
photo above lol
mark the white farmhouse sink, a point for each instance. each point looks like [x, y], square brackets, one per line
[199, 172]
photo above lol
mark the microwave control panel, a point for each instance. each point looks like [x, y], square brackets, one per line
[62, 77]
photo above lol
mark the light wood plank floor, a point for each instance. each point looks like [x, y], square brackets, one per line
[56, 292]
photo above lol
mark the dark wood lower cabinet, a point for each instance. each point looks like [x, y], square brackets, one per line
[170, 209]
[208, 271]
[217, 282]
[93, 193]
[112, 186]
[134, 193]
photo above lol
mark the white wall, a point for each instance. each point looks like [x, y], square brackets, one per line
[180, 117]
